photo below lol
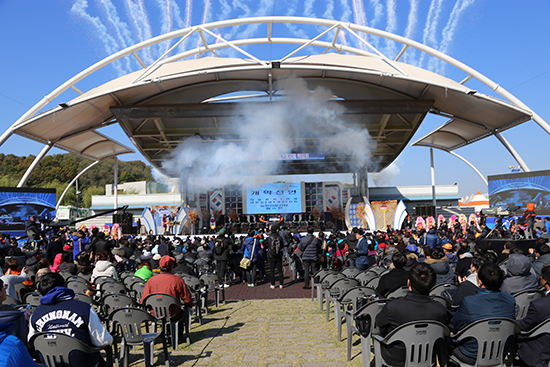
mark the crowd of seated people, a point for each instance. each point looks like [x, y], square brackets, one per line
[487, 281]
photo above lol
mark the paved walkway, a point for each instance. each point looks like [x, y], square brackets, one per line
[269, 332]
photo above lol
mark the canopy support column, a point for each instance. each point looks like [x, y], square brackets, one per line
[471, 166]
[512, 151]
[433, 176]
[115, 183]
[72, 182]
[34, 164]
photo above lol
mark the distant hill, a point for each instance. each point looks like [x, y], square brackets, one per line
[56, 171]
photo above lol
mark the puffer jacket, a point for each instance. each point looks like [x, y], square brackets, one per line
[444, 272]
[104, 268]
[518, 275]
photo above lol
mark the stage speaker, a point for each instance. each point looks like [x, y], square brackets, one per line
[125, 221]
[425, 211]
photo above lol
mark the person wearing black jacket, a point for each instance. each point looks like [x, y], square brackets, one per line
[310, 247]
[275, 257]
[352, 247]
[415, 306]
[54, 247]
[395, 278]
[222, 244]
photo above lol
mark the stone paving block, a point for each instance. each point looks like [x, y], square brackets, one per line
[309, 356]
[322, 364]
[251, 357]
[333, 355]
[280, 364]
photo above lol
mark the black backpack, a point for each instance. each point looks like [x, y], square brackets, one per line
[276, 246]
[218, 247]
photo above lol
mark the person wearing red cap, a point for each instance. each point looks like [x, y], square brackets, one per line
[171, 284]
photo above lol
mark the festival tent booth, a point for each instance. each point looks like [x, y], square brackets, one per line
[187, 93]
[478, 202]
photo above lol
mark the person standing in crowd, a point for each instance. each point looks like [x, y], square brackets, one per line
[221, 255]
[33, 230]
[363, 261]
[251, 250]
[535, 351]
[60, 312]
[80, 240]
[274, 246]
[310, 247]
[54, 247]
[529, 218]
[352, 247]
[489, 301]
[416, 305]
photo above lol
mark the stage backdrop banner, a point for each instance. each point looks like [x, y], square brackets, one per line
[384, 212]
[274, 198]
[216, 201]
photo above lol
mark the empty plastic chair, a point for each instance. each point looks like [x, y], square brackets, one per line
[349, 300]
[127, 324]
[361, 322]
[212, 284]
[350, 272]
[110, 287]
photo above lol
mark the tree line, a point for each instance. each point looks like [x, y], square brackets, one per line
[56, 171]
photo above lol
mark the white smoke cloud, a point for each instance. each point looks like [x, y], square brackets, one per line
[268, 131]
[384, 177]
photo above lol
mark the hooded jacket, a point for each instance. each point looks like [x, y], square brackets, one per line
[104, 268]
[444, 272]
[519, 275]
[13, 352]
[59, 312]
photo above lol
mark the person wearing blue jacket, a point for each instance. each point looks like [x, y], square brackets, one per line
[13, 352]
[489, 301]
[431, 239]
[251, 250]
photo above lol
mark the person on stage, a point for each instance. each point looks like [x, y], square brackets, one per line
[529, 218]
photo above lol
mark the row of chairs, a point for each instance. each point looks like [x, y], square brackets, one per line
[122, 312]
[348, 294]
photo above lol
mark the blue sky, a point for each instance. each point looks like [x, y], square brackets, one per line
[44, 43]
